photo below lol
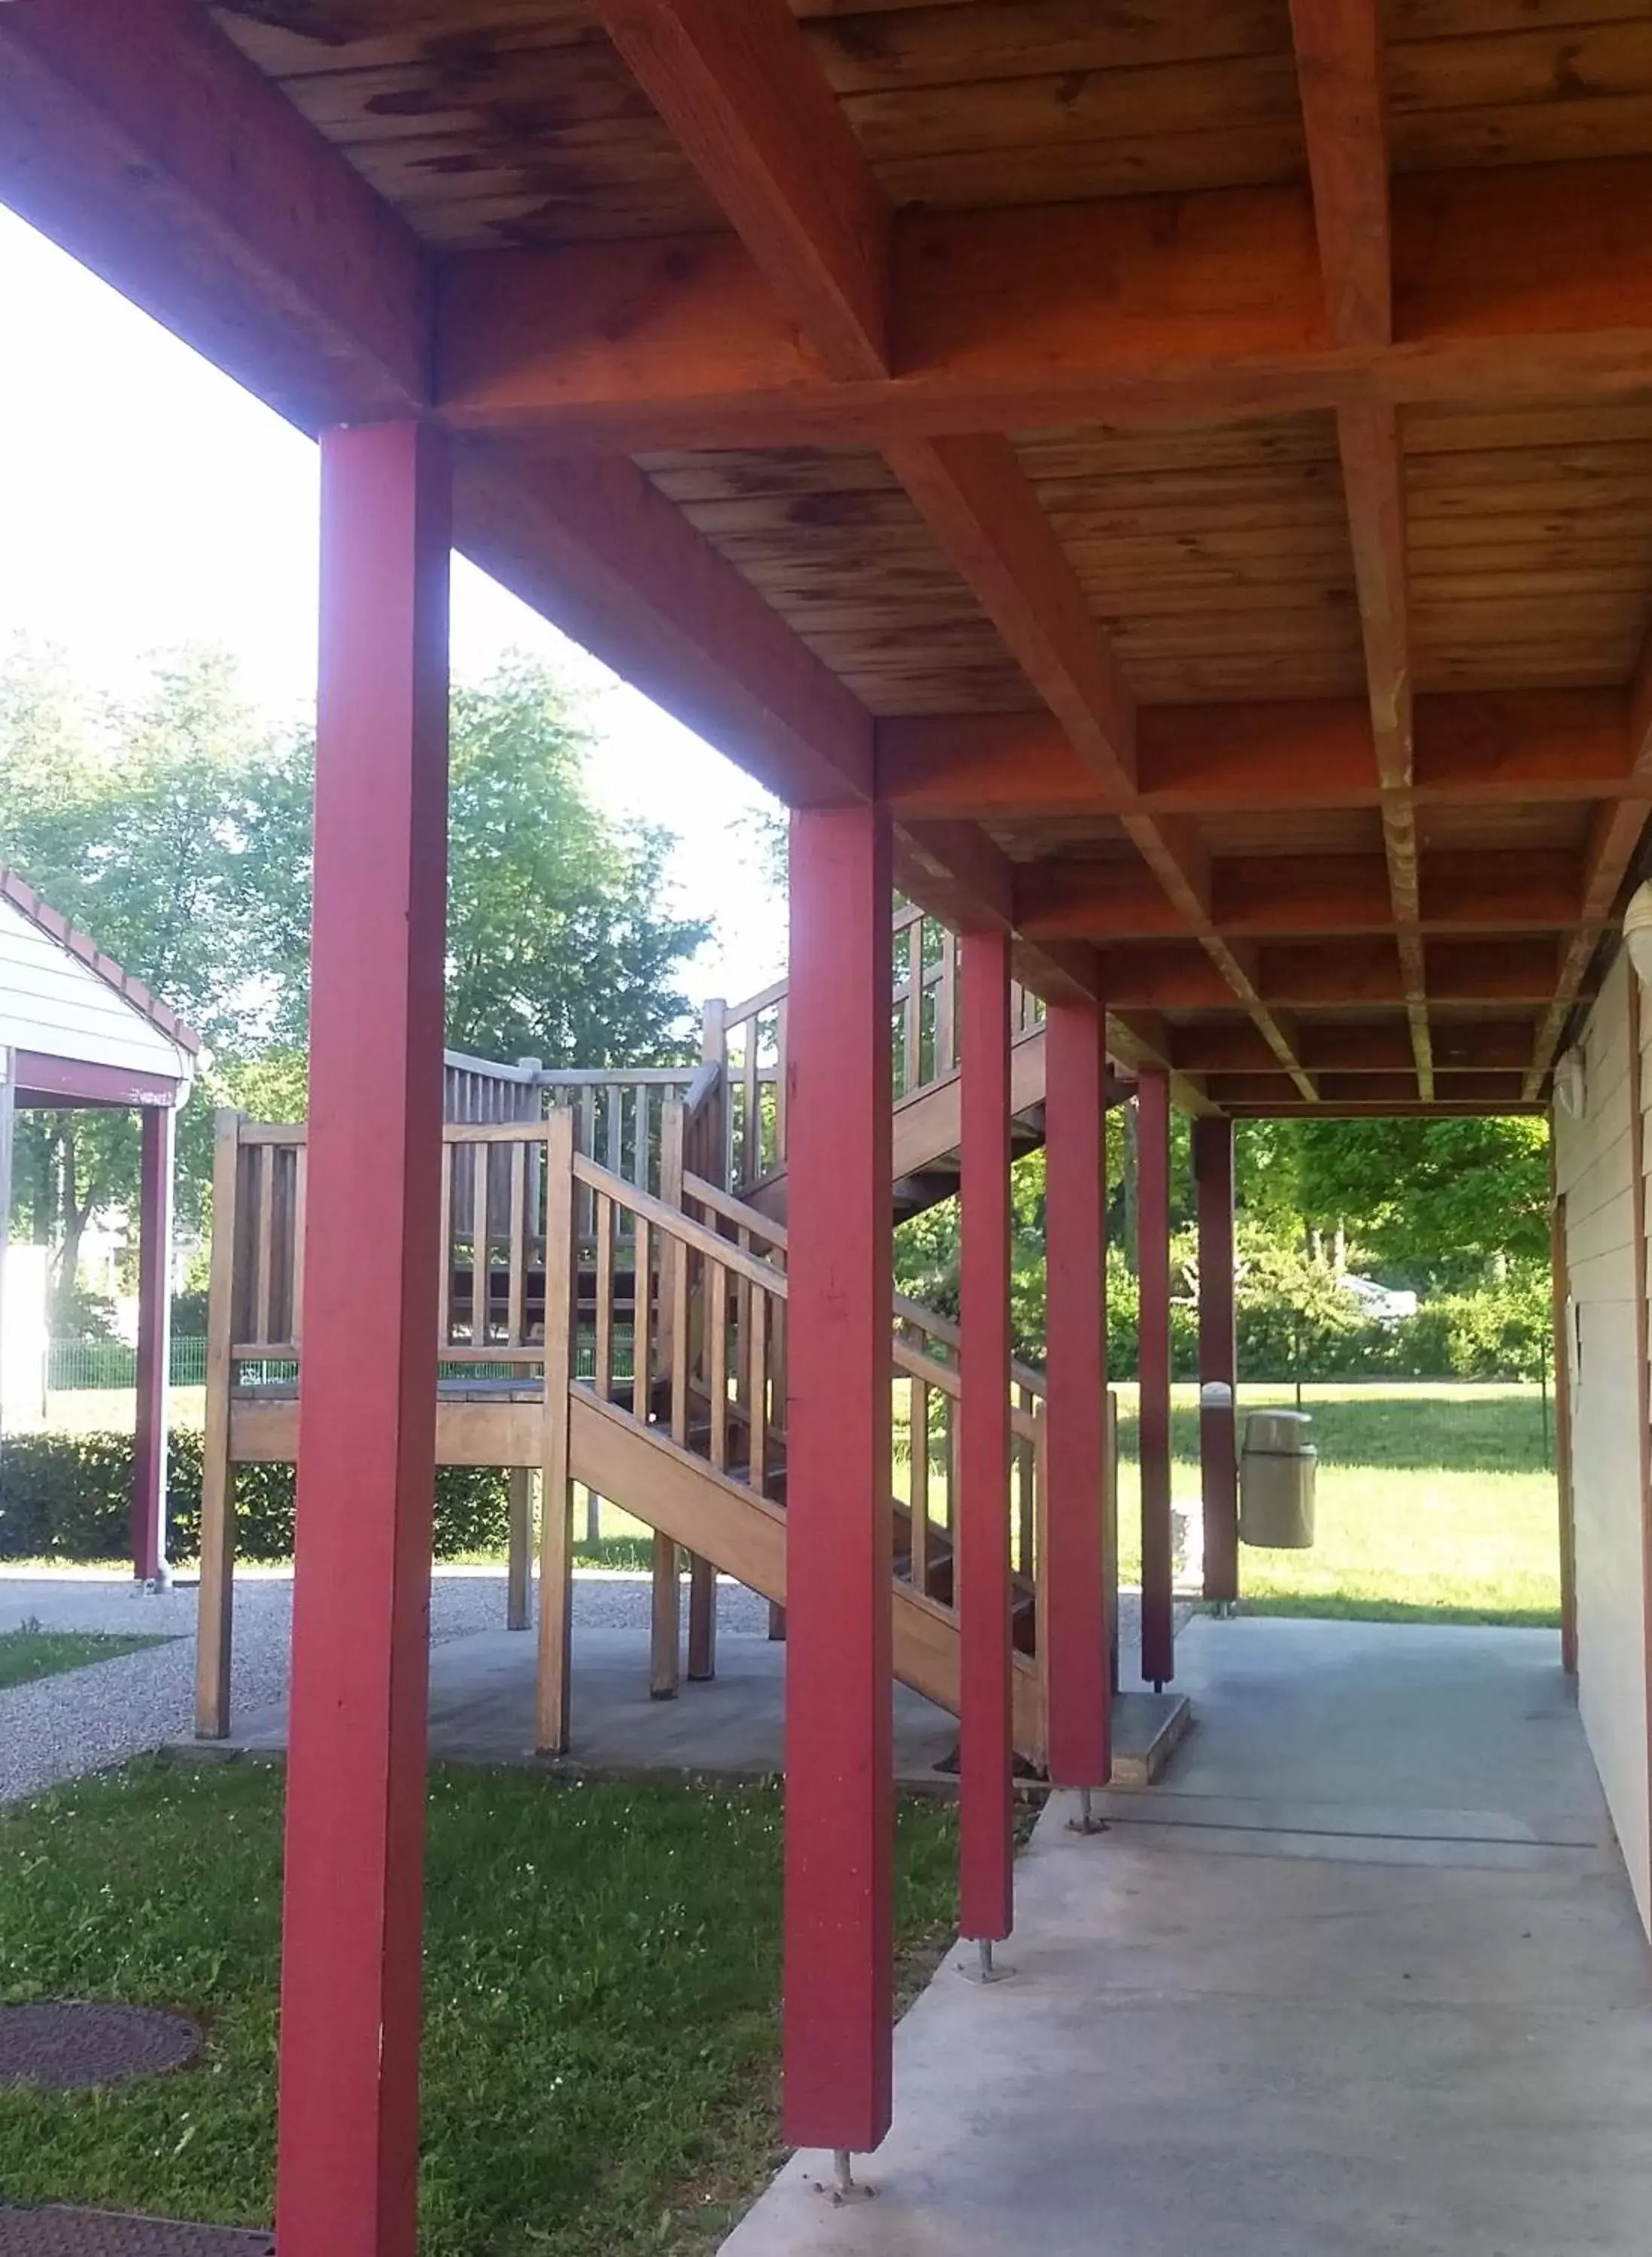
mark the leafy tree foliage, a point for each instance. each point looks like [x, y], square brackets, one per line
[176, 829]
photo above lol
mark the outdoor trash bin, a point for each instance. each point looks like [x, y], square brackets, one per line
[1276, 1481]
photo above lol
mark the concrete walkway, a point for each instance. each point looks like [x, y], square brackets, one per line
[1365, 1976]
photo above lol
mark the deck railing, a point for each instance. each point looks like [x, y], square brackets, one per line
[747, 1041]
[675, 1310]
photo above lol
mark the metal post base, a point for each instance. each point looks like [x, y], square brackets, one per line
[1086, 1822]
[986, 1968]
[844, 2186]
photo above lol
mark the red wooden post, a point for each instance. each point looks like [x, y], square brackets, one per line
[1077, 1674]
[985, 1788]
[1218, 1362]
[839, 1529]
[154, 1343]
[1153, 1207]
[346, 2180]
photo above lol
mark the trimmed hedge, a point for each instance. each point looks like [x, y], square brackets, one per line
[66, 1497]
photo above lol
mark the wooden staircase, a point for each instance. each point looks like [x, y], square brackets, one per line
[659, 1320]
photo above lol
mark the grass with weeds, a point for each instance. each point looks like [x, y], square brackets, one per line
[602, 1998]
[1436, 1503]
[32, 1651]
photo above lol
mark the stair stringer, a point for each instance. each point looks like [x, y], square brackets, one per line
[683, 1497]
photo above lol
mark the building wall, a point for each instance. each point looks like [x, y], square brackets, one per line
[1595, 1157]
[52, 1002]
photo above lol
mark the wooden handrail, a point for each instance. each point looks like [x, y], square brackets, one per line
[680, 1227]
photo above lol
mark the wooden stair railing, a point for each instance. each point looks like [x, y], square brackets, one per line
[748, 1040]
[671, 1317]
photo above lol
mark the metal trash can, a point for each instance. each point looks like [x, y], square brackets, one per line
[1276, 1481]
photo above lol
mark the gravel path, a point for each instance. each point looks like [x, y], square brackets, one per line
[84, 1719]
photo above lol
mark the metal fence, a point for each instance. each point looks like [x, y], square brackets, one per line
[72, 1366]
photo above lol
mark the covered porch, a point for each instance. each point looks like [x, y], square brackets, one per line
[1365, 1973]
[1133, 534]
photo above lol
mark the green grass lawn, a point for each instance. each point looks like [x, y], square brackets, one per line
[1435, 1503]
[32, 1651]
[601, 1999]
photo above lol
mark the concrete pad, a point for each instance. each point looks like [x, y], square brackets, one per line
[482, 1711]
[1383, 2039]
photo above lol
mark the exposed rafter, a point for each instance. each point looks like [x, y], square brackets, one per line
[1517, 283]
[1618, 831]
[1340, 69]
[736, 82]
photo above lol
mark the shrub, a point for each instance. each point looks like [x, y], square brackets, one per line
[67, 1497]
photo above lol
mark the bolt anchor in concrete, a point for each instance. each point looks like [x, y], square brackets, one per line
[1086, 1822]
[845, 2187]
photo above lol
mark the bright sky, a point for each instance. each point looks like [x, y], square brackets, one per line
[146, 502]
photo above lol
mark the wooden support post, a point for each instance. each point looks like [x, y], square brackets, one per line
[1152, 1180]
[1560, 1289]
[702, 1620]
[839, 1692]
[154, 1344]
[1073, 1569]
[1218, 1362]
[556, 1487]
[664, 1641]
[215, 1602]
[346, 2171]
[518, 1570]
[984, 1587]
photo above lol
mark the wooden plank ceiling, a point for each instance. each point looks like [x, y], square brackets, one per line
[1193, 456]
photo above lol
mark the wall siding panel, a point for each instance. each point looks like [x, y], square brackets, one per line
[52, 1002]
[1594, 1160]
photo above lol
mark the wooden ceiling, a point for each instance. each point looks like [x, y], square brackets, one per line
[1193, 458]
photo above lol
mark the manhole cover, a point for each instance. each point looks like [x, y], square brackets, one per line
[56, 2232]
[64, 2045]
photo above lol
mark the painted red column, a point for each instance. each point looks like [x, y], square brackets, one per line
[1218, 1359]
[1076, 1672]
[987, 1754]
[1153, 1208]
[154, 1343]
[839, 1527]
[349, 2131]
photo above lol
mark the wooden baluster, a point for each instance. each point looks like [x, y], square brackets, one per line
[518, 1576]
[912, 1040]
[216, 1603]
[516, 1302]
[1024, 1490]
[751, 1124]
[642, 1323]
[717, 1318]
[444, 1297]
[300, 1188]
[264, 1256]
[602, 1375]
[1041, 1632]
[779, 1083]
[556, 1487]
[919, 1486]
[680, 1257]
[758, 1396]
[946, 1007]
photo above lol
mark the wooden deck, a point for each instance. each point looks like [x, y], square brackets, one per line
[1193, 461]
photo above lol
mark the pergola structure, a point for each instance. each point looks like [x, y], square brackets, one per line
[76, 1031]
[1169, 487]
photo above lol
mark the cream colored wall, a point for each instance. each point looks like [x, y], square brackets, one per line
[1594, 1159]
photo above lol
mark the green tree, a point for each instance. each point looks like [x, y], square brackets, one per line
[1437, 1201]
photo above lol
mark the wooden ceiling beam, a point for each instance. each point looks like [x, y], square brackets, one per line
[1346, 974]
[753, 113]
[1279, 896]
[594, 545]
[1613, 842]
[1519, 283]
[1472, 749]
[1340, 72]
[143, 141]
